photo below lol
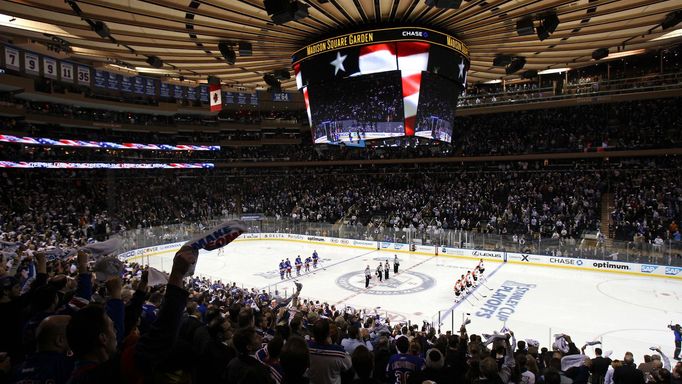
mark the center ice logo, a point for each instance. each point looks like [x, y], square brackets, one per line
[400, 284]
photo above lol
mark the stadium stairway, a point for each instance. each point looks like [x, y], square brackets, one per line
[607, 204]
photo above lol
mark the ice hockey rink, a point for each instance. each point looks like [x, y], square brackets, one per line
[624, 312]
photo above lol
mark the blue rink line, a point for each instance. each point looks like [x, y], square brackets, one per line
[450, 310]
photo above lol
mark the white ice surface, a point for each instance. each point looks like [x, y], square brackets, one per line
[627, 313]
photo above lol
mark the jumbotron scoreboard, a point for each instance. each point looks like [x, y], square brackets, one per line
[382, 83]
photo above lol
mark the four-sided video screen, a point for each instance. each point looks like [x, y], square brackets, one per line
[383, 90]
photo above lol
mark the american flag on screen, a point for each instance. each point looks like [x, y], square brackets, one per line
[410, 57]
[306, 99]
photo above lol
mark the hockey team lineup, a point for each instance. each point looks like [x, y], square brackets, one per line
[494, 295]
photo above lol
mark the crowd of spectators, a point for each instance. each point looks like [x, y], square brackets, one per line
[602, 127]
[521, 202]
[112, 117]
[62, 323]
[647, 207]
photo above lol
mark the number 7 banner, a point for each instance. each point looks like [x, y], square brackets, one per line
[11, 58]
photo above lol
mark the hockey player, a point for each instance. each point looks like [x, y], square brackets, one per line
[396, 264]
[308, 260]
[458, 290]
[386, 269]
[315, 258]
[368, 276]
[380, 273]
[298, 264]
[466, 284]
[481, 268]
[288, 265]
[282, 269]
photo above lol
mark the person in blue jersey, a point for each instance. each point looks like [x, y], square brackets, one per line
[316, 257]
[329, 362]
[288, 266]
[402, 365]
[308, 260]
[298, 264]
[282, 269]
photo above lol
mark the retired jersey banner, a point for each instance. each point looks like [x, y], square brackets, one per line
[215, 98]
[49, 67]
[83, 75]
[66, 73]
[11, 58]
[31, 63]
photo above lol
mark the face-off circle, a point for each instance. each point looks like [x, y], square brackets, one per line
[403, 283]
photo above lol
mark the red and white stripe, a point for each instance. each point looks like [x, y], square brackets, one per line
[299, 77]
[69, 143]
[413, 58]
[306, 99]
[377, 58]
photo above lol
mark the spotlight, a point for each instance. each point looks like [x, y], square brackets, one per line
[529, 74]
[446, 4]
[228, 52]
[548, 25]
[284, 11]
[154, 61]
[516, 65]
[245, 49]
[600, 53]
[550, 22]
[101, 29]
[672, 19]
[542, 32]
[502, 60]
[282, 74]
[524, 26]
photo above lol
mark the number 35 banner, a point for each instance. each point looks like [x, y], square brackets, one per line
[83, 75]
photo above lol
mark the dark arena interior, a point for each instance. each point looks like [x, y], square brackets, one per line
[340, 191]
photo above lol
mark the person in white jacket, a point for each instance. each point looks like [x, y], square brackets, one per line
[608, 378]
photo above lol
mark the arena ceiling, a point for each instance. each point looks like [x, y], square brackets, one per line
[185, 33]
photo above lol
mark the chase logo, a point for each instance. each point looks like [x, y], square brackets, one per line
[649, 268]
[579, 262]
[415, 34]
[672, 271]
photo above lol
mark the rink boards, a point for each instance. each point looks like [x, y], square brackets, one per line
[583, 264]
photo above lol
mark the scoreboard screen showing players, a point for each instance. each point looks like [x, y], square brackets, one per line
[357, 109]
[353, 75]
[436, 110]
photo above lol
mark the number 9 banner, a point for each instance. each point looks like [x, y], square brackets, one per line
[49, 67]
[31, 65]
